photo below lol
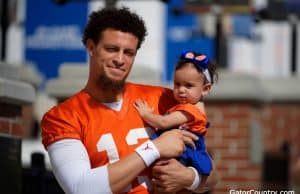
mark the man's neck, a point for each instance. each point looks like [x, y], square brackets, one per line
[104, 95]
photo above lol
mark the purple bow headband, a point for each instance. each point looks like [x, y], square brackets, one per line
[200, 60]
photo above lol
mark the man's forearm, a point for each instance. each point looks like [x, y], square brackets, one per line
[131, 166]
[208, 182]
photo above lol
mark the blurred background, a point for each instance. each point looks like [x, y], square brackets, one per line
[254, 108]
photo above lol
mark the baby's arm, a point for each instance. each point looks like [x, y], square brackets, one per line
[167, 121]
[201, 107]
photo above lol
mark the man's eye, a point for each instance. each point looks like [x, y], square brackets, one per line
[130, 53]
[110, 49]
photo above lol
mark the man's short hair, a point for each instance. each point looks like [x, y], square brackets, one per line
[121, 19]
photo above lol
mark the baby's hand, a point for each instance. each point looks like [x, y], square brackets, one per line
[142, 107]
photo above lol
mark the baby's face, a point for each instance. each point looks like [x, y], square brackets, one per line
[188, 84]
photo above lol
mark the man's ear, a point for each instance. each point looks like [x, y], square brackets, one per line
[90, 46]
[206, 89]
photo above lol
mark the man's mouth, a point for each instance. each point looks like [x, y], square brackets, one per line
[116, 71]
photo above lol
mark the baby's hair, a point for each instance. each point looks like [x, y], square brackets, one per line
[212, 66]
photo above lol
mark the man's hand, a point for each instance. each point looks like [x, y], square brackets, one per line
[189, 138]
[170, 144]
[170, 176]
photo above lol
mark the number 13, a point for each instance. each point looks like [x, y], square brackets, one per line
[107, 143]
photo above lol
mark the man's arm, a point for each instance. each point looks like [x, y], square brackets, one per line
[71, 165]
[171, 176]
[208, 183]
[121, 173]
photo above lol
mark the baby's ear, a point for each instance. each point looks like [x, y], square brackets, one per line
[206, 89]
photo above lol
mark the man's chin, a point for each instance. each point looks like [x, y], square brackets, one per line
[111, 84]
[108, 83]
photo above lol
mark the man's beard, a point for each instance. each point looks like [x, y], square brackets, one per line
[108, 84]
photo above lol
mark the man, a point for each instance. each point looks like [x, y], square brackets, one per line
[96, 141]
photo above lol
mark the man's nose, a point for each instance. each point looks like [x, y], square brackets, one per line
[119, 59]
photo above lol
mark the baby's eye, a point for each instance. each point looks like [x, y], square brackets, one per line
[189, 85]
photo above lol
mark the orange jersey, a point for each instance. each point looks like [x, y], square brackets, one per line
[198, 124]
[107, 135]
